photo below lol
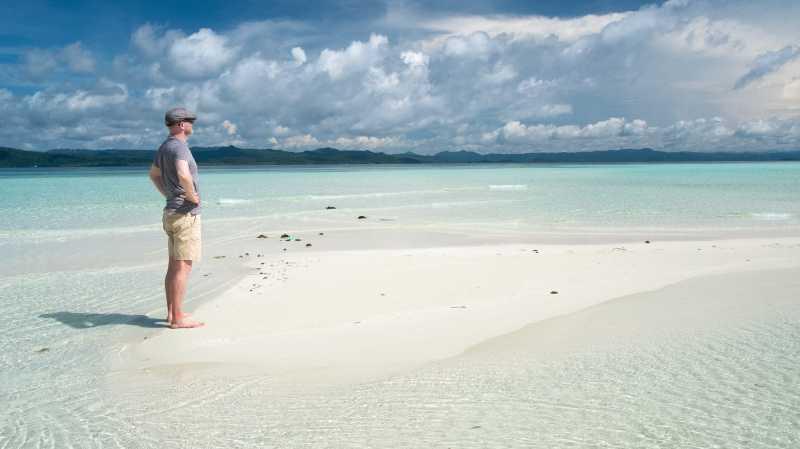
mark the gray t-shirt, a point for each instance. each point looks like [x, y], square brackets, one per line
[170, 151]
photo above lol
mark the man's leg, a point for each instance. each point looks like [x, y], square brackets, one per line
[175, 286]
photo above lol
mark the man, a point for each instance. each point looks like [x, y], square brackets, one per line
[174, 173]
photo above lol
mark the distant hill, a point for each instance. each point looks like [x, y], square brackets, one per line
[11, 157]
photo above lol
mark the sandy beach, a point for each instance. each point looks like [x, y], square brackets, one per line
[326, 313]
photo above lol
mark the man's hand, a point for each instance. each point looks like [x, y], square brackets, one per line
[192, 199]
[186, 181]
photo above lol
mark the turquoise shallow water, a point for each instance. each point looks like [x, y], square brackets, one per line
[675, 195]
[82, 264]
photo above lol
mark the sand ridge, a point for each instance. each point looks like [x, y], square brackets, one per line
[360, 314]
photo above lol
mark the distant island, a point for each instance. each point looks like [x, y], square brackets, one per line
[230, 155]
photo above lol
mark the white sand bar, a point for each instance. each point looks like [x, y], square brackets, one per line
[355, 315]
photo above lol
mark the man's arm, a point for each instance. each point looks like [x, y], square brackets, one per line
[186, 181]
[155, 176]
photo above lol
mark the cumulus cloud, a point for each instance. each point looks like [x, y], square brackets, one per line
[39, 63]
[201, 54]
[301, 141]
[659, 77]
[299, 55]
[104, 95]
[516, 132]
[536, 27]
[364, 142]
[768, 63]
[791, 91]
[356, 57]
[77, 58]
[230, 127]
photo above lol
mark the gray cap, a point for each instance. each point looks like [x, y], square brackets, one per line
[177, 115]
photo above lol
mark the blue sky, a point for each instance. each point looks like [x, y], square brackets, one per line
[402, 75]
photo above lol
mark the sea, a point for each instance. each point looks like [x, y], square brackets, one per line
[82, 269]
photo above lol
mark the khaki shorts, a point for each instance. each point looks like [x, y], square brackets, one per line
[183, 232]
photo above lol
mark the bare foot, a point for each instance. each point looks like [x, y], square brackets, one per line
[185, 324]
[183, 315]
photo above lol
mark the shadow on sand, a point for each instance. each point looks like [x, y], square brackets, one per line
[89, 320]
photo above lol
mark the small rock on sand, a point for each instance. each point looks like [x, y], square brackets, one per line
[330, 207]
[553, 292]
[218, 257]
[42, 350]
[361, 217]
[261, 236]
[284, 236]
[321, 233]
[307, 245]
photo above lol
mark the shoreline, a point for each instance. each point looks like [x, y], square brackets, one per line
[348, 314]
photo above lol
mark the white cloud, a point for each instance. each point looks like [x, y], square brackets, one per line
[107, 94]
[300, 141]
[200, 54]
[299, 55]
[146, 39]
[161, 97]
[358, 56]
[767, 63]
[230, 127]
[617, 128]
[77, 58]
[494, 83]
[500, 73]
[475, 45]
[39, 62]
[364, 142]
[536, 27]
[553, 110]
[791, 91]
[415, 59]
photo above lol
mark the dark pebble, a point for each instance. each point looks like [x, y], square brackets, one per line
[321, 233]
[307, 245]
[42, 349]
[261, 236]
[284, 236]
[361, 217]
[330, 207]
[298, 240]
[218, 257]
[647, 241]
[553, 292]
